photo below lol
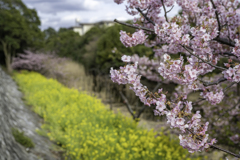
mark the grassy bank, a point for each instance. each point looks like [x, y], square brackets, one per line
[83, 126]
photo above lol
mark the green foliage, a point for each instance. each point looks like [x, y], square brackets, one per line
[110, 40]
[83, 126]
[19, 28]
[88, 47]
[67, 43]
[22, 139]
[64, 42]
[94, 49]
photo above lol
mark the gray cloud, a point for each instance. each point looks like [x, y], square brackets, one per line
[62, 13]
[56, 6]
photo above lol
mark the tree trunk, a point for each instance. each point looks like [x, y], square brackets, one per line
[7, 57]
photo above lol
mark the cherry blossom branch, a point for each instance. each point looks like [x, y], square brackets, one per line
[214, 146]
[179, 111]
[201, 99]
[164, 11]
[228, 54]
[226, 151]
[225, 41]
[220, 40]
[135, 117]
[225, 89]
[170, 9]
[127, 104]
[136, 27]
[222, 79]
[190, 52]
[216, 13]
[220, 115]
[141, 111]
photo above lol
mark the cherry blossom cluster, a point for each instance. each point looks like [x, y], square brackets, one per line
[203, 34]
[178, 115]
[147, 68]
[232, 74]
[174, 70]
[235, 138]
[213, 98]
[236, 49]
[138, 37]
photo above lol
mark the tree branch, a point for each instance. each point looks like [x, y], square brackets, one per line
[145, 16]
[220, 115]
[225, 89]
[229, 54]
[136, 27]
[141, 111]
[214, 146]
[165, 11]
[224, 41]
[222, 79]
[150, 30]
[216, 13]
[127, 104]
[218, 39]
[200, 99]
[226, 151]
[221, 68]
[170, 9]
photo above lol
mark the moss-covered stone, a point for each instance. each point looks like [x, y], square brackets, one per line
[22, 139]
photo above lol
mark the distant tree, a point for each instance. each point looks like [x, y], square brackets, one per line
[110, 49]
[64, 42]
[19, 29]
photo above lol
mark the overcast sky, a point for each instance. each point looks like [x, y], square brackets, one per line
[62, 13]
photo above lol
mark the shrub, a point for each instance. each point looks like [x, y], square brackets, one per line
[40, 62]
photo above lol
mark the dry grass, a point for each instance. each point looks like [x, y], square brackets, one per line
[73, 75]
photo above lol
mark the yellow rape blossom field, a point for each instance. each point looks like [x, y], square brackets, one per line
[83, 126]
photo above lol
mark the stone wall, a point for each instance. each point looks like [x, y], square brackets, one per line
[14, 114]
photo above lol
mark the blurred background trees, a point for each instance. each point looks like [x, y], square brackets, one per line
[19, 30]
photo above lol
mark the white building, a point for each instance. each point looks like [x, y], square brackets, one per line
[82, 28]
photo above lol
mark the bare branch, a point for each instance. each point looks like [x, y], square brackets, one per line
[216, 13]
[224, 41]
[145, 16]
[170, 9]
[127, 104]
[220, 115]
[136, 27]
[141, 111]
[233, 154]
[165, 11]
[225, 89]
[222, 79]
[200, 99]
[229, 54]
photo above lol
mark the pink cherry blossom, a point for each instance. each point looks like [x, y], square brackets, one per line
[126, 58]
